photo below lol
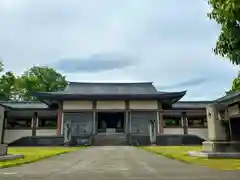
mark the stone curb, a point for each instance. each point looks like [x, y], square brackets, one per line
[214, 154]
[11, 157]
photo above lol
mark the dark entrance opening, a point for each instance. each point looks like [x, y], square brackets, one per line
[111, 120]
[235, 129]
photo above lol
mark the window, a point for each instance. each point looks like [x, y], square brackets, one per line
[197, 123]
[47, 123]
[171, 123]
[20, 123]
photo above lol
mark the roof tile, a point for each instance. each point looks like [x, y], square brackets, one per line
[110, 88]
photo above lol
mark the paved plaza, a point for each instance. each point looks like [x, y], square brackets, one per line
[113, 163]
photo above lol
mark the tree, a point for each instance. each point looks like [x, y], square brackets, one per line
[41, 79]
[7, 86]
[235, 85]
[1, 66]
[227, 14]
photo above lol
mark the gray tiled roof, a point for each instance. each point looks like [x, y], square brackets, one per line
[24, 104]
[228, 97]
[110, 88]
[191, 104]
[84, 90]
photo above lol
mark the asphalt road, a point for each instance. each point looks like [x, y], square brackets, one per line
[113, 163]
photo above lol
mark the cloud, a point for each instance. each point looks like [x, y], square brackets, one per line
[167, 42]
[95, 63]
[185, 84]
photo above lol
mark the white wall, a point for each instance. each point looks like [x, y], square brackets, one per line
[11, 135]
[143, 105]
[111, 105]
[201, 132]
[14, 134]
[46, 132]
[84, 105]
[77, 105]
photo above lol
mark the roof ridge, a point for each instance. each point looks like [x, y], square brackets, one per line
[194, 101]
[109, 83]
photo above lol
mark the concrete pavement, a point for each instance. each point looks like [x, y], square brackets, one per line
[113, 163]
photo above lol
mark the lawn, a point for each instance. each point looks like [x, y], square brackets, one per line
[180, 153]
[33, 154]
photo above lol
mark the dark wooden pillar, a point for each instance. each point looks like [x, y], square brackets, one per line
[4, 126]
[160, 118]
[94, 125]
[161, 122]
[34, 124]
[60, 118]
[184, 123]
[127, 120]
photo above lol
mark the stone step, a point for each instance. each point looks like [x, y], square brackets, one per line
[110, 139]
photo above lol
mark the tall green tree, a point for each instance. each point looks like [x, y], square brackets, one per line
[235, 85]
[7, 86]
[1, 66]
[42, 79]
[227, 14]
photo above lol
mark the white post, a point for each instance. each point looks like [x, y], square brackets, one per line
[94, 123]
[130, 122]
[150, 132]
[62, 123]
[158, 125]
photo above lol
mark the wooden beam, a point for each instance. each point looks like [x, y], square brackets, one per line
[127, 124]
[59, 118]
[95, 122]
[161, 120]
[184, 123]
[34, 124]
[161, 123]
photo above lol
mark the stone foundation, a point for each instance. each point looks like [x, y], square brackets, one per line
[178, 140]
[3, 149]
[11, 157]
[214, 154]
[39, 141]
[139, 139]
[218, 149]
[221, 146]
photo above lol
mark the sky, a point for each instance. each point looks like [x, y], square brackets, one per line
[167, 42]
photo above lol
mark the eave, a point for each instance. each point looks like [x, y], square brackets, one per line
[156, 96]
[6, 107]
[167, 99]
[229, 99]
[191, 105]
[28, 106]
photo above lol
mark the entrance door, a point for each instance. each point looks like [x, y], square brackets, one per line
[110, 128]
[140, 122]
[82, 124]
[111, 122]
[77, 125]
[144, 124]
